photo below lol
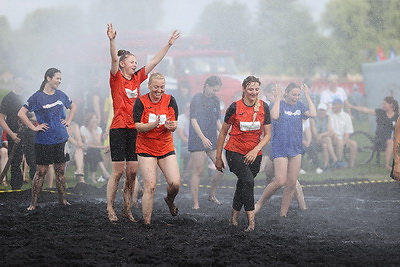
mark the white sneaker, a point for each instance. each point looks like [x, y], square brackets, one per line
[302, 171]
[318, 170]
[101, 179]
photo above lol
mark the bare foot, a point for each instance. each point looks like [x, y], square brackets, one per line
[65, 203]
[31, 207]
[129, 216]
[214, 199]
[4, 183]
[112, 217]
[249, 229]
[172, 208]
[196, 207]
[234, 218]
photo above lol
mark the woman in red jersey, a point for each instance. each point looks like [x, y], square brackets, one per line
[125, 82]
[155, 116]
[249, 122]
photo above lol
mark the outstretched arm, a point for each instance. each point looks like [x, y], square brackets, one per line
[111, 33]
[219, 163]
[161, 54]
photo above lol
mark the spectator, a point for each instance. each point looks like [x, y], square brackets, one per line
[22, 137]
[76, 147]
[342, 127]
[386, 118]
[91, 136]
[334, 92]
[182, 134]
[321, 128]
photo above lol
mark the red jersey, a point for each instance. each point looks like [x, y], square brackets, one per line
[158, 141]
[124, 93]
[245, 133]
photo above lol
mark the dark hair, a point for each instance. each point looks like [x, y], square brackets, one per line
[269, 88]
[290, 87]
[212, 81]
[88, 117]
[49, 73]
[123, 54]
[250, 79]
[391, 100]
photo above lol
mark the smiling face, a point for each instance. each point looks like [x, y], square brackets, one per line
[157, 88]
[55, 81]
[251, 92]
[129, 65]
[293, 96]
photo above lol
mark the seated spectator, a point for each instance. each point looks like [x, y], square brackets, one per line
[342, 127]
[75, 145]
[321, 128]
[91, 136]
[386, 118]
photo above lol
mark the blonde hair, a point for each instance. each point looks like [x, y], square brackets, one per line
[245, 83]
[156, 76]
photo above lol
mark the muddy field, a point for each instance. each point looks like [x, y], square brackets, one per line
[355, 224]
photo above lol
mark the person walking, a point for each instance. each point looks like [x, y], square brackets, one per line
[48, 105]
[155, 116]
[125, 80]
[248, 119]
[205, 122]
[286, 143]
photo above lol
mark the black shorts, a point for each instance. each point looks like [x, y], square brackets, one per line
[51, 154]
[158, 157]
[123, 144]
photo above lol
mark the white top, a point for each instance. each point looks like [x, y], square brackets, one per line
[341, 124]
[327, 96]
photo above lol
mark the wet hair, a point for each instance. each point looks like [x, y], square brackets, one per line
[212, 81]
[88, 118]
[269, 88]
[123, 54]
[391, 100]
[49, 73]
[156, 76]
[245, 83]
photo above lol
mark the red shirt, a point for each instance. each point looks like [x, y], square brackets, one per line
[245, 134]
[124, 93]
[158, 141]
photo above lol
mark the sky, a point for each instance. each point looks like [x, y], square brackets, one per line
[181, 14]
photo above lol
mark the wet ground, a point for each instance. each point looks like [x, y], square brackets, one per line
[354, 223]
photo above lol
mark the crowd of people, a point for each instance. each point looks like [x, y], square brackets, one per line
[267, 129]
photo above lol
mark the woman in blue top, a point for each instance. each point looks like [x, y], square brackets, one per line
[286, 142]
[48, 104]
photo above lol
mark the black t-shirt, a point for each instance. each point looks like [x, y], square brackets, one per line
[10, 105]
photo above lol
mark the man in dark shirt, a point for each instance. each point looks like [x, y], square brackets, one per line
[9, 121]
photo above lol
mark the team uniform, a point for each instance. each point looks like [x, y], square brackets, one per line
[206, 110]
[287, 131]
[245, 134]
[157, 142]
[50, 145]
[122, 130]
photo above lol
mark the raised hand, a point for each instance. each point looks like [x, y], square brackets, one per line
[175, 35]
[111, 33]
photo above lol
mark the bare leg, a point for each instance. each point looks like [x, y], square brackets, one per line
[148, 169]
[137, 193]
[129, 187]
[112, 186]
[250, 218]
[389, 154]
[37, 184]
[61, 184]
[216, 181]
[234, 217]
[198, 159]
[280, 170]
[298, 193]
[293, 168]
[169, 166]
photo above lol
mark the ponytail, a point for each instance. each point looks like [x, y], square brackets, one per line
[49, 73]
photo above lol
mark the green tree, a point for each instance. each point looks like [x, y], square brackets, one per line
[358, 26]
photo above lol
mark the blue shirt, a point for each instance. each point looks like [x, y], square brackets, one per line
[50, 109]
[287, 131]
[206, 110]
